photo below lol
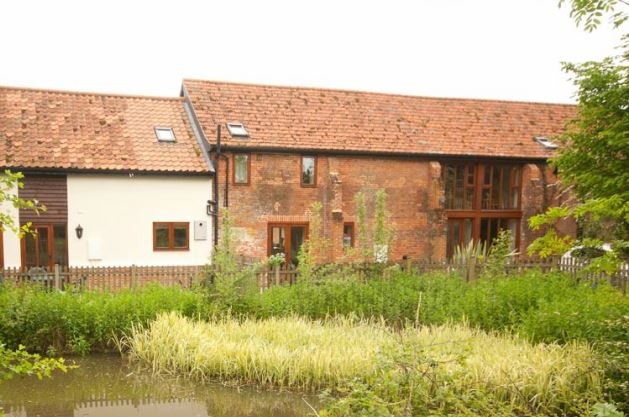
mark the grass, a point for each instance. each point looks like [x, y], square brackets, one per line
[294, 352]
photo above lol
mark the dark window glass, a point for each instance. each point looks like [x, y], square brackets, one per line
[61, 242]
[241, 169]
[162, 236]
[42, 242]
[30, 250]
[348, 235]
[180, 236]
[297, 236]
[308, 170]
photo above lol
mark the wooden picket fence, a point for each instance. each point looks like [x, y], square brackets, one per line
[105, 278]
[576, 268]
[117, 278]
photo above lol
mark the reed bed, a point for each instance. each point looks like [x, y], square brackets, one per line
[293, 352]
[285, 352]
[538, 376]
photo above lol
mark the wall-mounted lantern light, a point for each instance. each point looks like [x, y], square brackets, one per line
[211, 207]
[79, 231]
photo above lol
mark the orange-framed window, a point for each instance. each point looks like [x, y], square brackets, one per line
[171, 236]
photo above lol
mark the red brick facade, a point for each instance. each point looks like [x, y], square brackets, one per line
[415, 200]
[275, 195]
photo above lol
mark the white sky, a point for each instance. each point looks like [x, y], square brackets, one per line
[504, 49]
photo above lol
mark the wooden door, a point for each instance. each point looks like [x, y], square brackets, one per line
[46, 247]
[286, 238]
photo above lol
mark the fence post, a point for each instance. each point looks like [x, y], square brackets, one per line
[134, 277]
[277, 274]
[57, 281]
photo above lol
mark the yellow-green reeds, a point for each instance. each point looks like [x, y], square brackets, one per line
[300, 353]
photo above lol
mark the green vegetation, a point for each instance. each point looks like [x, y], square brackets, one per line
[549, 308]
[57, 322]
[298, 353]
[593, 160]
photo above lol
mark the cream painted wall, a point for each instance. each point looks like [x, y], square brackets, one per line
[11, 246]
[117, 214]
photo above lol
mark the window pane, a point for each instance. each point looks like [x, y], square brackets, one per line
[506, 181]
[42, 237]
[469, 198]
[449, 185]
[278, 235]
[348, 234]
[485, 198]
[161, 236]
[31, 254]
[180, 236]
[297, 236]
[458, 196]
[495, 188]
[467, 231]
[60, 241]
[515, 198]
[241, 175]
[308, 170]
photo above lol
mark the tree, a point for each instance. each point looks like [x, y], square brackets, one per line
[590, 12]
[9, 182]
[594, 162]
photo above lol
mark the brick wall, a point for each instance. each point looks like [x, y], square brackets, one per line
[275, 194]
[415, 200]
[541, 190]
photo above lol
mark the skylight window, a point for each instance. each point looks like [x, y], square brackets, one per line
[165, 134]
[545, 142]
[237, 129]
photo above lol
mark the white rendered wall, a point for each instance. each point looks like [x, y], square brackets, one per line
[11, 246]
[117, 213]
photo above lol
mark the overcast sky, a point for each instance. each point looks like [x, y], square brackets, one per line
[504, 49]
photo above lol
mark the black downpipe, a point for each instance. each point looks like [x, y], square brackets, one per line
[219, 154]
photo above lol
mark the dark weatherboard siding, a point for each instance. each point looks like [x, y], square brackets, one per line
[49, 190]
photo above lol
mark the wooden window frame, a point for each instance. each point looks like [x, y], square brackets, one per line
[287, 237]
[477, 213]
[51, 243]
[301, 170]
[248, 155]
[171, 236]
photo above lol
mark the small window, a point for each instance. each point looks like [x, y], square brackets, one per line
[547, 143]
[165, 134]
[308, 171]
[237, 129]
[241, 169]
[171, 236]
[348, 235]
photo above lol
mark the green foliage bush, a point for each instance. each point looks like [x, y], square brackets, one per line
[83, 322]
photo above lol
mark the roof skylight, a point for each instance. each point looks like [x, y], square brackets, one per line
[165, 134]
[545, 142]
[237, 129]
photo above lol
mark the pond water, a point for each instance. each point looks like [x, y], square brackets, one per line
[108, 385]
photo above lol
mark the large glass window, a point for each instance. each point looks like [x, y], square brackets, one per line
[241, 169]
[171, 236]
[481, 199]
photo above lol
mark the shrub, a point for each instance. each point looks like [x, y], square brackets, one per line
[82, 322]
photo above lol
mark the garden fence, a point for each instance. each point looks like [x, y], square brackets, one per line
[117, 278]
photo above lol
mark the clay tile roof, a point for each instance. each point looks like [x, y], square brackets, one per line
[87, 131]
[337, 120]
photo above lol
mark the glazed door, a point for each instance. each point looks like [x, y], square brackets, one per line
[46, 247]
[287, 239]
